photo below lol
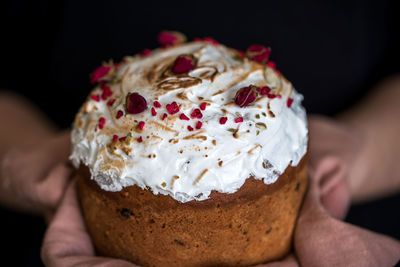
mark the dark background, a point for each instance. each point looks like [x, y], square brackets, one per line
[333, 52]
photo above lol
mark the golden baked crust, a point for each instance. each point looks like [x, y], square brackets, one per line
[253, 225]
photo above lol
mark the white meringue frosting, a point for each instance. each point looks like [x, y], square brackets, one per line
[170, 159]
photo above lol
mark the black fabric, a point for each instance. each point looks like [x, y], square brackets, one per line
[332, 51]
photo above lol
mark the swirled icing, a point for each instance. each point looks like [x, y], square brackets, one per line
[188, 165]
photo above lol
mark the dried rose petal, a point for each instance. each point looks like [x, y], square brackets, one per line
[170, 38]
[111, 101]
[153, 112]
[190, 128]
[99, 73]
[141, 125]
[271, 64]
[237, 120]
[207, 40]
[157, 104]
[241, 53]
[95, 98]
[196, 113]
[184, 117]
[289, 102]
[246, 96]
[264, 90]
[106, 91]
[198, 125]
[182, 64]
[122, 139]
[164, 116]
[145, 52]
[223, 120]
[203, 106]
[135, 103]
[102, 121]
[140, 139]
[115, 138]
[172, 108]
[120, 113]
[259, 53]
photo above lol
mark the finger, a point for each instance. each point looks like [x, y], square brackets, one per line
[67, 242]
[321, 240]
[50, 190]
[289, 261]
[337, 200]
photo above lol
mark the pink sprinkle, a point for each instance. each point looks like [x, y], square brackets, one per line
[203, 106]
[140, 139]
[196, 113]
[271, 96]
[95, 98]
[271, 64]
[145, 52]
[106, 91]
[172, 108]
[141, 125]
[111, 101]
[264, 90]
[102, 121]
[278, 96]
[164, 116]
[115, 138]
[122, 139]
[237, 120]
[289, 102]
[198, 125]
[277, 72]
[99, 73]
[190, 128]
[183, 117]
[223, 120]
[120, 113]
[157, 104]
[153, 112]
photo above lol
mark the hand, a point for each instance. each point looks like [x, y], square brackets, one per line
[320, 239]
[67, 242]
[34, 179]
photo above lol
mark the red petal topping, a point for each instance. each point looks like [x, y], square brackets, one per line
[237, 120]
[122, 139]
[190, 128]
[271, 64]
[115, 138]
[172, 108]
[120, 113]
[157, 104]
[167, 38]
[223, 120]
[106, 91]
[207, 40]
[198, 125]
[164, 116]
[246, 96]
[259, 53]
[140, 139]
[241, 53]
[271, 96]
[95, 98]
[153, 112]
[145, 52]
[203, 106]
[183, 117]
[289, 102]
[111, 101]
[102, 121]
[141, 125]
[182, 64]
[99, 73]
[135, 103]
[196, 113]
[264, 90]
